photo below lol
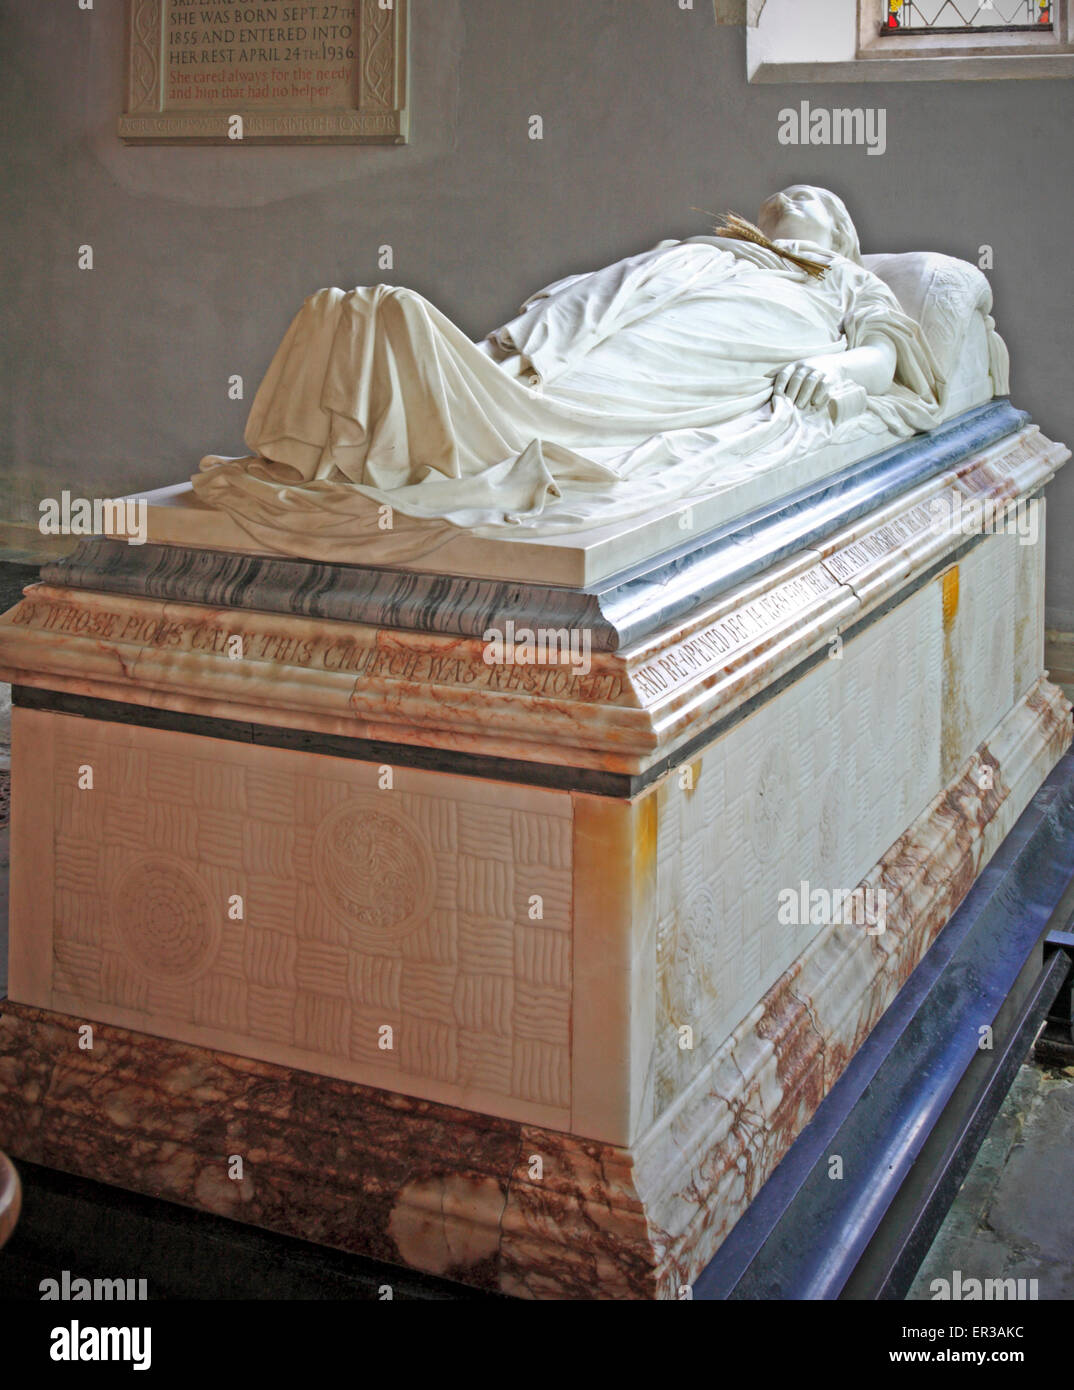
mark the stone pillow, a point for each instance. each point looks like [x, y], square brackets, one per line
[943, 294]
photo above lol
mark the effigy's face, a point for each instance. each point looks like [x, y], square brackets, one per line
[797, 214]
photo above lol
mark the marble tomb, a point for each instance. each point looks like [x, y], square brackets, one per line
[509, 899]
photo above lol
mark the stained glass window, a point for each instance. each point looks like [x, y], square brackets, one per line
[960, 16]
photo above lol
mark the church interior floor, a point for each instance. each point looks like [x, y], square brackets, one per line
[1013, 1217]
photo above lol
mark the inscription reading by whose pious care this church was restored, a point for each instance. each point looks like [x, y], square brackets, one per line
[298, 70]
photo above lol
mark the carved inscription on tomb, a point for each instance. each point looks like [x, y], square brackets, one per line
[995, 475]
[713, 646]
[303, 70]
[288, 642]
[901, 531]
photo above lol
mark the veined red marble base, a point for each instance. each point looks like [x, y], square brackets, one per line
[407, 1181]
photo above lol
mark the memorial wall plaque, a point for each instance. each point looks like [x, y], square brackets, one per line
[266, 72]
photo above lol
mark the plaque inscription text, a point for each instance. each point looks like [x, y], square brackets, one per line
[300, 71]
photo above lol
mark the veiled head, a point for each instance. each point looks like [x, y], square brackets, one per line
[805, 213]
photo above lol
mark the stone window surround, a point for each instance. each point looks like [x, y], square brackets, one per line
[856, 52]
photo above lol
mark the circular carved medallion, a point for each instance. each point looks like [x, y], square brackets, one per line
[830, 822]
[165, 919]
[887, 678]
[687, 958]
[372, 869]
[767, 810]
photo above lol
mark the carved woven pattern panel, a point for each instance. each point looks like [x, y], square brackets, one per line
[993, 641]
[1029, 608]
[820, 782]
[361, 908]
[814, 786]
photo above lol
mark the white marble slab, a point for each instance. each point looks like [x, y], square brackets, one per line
[578, 559]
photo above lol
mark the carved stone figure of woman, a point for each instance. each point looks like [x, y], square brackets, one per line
[660, 377]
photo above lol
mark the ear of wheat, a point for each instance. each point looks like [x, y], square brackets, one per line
[739, 229]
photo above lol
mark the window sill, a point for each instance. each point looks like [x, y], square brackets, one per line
[976, 68]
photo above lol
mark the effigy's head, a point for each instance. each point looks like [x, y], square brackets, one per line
[805, 213]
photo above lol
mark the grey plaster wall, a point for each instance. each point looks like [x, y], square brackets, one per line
[116, 378]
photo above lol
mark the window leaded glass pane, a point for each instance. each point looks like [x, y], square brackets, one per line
[958, 16]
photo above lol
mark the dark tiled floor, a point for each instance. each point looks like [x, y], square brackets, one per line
[1014, 1217]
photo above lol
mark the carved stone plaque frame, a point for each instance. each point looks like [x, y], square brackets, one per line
[296, 72]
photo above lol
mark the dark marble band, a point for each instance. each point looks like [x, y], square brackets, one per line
[414, 755]
[618, 613]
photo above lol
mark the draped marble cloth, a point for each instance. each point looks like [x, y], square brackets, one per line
[646, 382]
